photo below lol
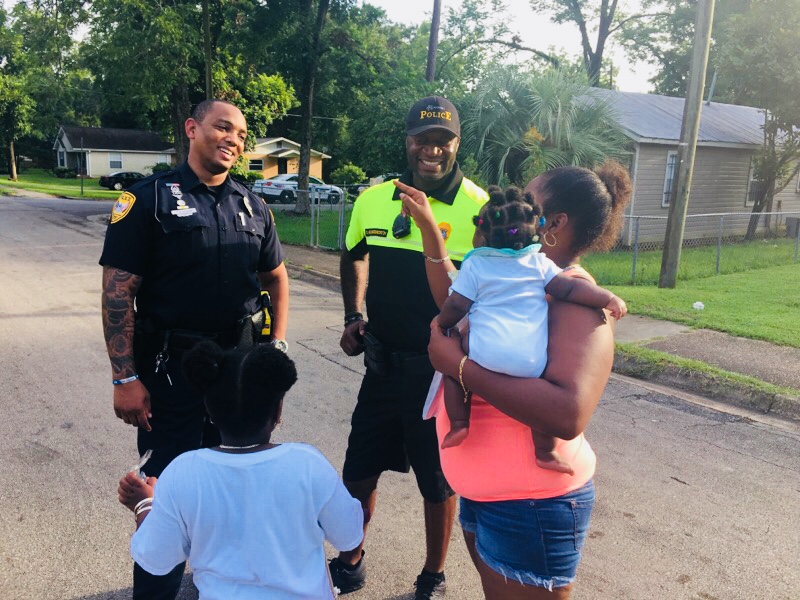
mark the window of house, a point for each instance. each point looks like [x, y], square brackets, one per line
[62, 158]
[754, 187]
[114, 160]
[669, 177]
[256, 164]
[164, 158]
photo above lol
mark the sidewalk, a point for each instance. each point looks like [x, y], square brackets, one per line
[762, 361]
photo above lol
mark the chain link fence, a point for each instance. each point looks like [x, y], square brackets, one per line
[713, 244]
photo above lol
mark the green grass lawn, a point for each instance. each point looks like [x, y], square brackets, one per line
[754, 299]
[42, 180]
[761, 304]
[296, 229]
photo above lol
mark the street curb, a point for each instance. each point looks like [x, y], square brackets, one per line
[714, 387]
[304, 273]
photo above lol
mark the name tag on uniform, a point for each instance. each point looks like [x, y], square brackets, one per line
[184, 212]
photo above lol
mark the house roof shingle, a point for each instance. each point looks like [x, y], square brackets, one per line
[110, 138]
[652, 118]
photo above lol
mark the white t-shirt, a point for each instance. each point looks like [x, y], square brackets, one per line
[252, 525]
[508, 317]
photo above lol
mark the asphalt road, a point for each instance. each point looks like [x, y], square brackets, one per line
[693, 502]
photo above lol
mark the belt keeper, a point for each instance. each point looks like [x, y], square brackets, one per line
[461, 376]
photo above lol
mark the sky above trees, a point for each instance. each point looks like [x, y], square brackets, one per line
[536, 31]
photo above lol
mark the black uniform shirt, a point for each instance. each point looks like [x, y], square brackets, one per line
[198, 250]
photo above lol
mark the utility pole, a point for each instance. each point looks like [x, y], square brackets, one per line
[207, 48]
[681, 185]
[82, 164]
[433, 41]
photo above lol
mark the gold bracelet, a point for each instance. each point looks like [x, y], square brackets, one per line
[436, 260]
[461, 376]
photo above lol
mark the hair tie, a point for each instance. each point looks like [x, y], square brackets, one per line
[497, 214]
[542, 221]
[513, 231]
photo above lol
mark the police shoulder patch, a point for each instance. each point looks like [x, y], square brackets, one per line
[122, 206]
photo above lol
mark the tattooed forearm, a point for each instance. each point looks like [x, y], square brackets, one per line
[119, 290]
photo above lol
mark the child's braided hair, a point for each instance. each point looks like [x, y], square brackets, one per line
[509, 219]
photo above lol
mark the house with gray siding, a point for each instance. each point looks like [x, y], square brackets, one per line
[722, 181]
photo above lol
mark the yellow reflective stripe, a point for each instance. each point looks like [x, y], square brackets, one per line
[375, 210]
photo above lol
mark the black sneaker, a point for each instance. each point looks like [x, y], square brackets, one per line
[430, 586]
[346, 578]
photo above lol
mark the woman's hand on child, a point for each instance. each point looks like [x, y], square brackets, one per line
[445, 350]
[132, 489]
[617, 307]
[415, 204]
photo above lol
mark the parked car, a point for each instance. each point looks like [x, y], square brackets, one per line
[283, 189]
[121, 180]
[360, 187]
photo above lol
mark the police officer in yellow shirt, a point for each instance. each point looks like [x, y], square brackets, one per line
[384, 264]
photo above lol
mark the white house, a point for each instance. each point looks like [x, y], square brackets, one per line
[104, 150]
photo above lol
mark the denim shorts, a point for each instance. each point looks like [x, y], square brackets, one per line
[535, 542]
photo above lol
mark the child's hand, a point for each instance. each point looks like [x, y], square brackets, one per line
[415, 204]
[132, 489]
[617, 307]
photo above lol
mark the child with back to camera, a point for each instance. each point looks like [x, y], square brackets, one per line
[250, 515]
[502, 285]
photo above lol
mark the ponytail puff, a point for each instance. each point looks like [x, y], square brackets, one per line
[269, 368]
[202, 365]
[617, 181]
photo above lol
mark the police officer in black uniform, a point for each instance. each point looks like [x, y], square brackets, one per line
[192, 249]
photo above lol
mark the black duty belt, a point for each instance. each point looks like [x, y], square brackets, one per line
[384, 361]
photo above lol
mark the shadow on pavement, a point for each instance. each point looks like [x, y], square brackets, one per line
[187, 592]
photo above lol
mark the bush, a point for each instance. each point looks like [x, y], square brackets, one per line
[161, 167]
[64, 173]
[348, 174]
[247, 176]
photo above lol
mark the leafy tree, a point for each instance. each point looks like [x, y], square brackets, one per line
[597, 21]
[666, 40]
[761, 58]
[161, 44]
[44, 53]
[16, 111]
[477, 32]
[520, 124]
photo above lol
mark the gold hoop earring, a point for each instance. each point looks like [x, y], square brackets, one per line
[544, 239]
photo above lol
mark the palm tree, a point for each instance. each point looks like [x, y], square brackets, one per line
[519, 124]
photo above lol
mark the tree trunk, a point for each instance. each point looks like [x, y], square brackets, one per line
[307, 99]
[12, 162]
[180, 108]
[433, 41]
[207, 49]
